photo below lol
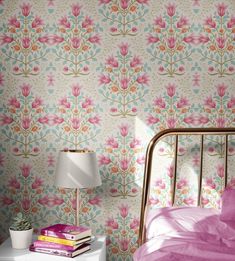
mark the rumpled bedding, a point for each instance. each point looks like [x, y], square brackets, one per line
[192, 234]
[186, 246]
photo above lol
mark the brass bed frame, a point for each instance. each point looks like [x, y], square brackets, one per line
[148, 165]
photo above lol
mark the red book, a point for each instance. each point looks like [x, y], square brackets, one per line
[66, 231]
[59, 252]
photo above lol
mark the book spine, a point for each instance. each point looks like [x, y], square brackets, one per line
[57, 234]
[52, 245]
[57, 240]
[51, 251]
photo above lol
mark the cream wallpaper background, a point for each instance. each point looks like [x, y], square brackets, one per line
[105, 75]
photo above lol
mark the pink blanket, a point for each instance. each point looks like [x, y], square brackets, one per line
[187, 246]
[184, 233]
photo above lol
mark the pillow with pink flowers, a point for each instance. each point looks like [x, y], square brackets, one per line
[228, 205]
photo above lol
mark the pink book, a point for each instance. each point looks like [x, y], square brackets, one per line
[59, 252]
[45, 244]
[66, 231]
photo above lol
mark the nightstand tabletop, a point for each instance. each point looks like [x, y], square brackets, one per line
[96, 253]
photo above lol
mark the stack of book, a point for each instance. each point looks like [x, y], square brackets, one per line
[63, 240]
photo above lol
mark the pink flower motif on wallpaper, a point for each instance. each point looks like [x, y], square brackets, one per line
[160, 183]
[1, 79]
[67, 202]
[14, 102]
[112, 143]
[170, 171]
[23, 193]
[25, 170]
[196, 80]
[196, 160]
[76, 119]
[14, 183]
[220, 170]
[20, 41]
[196, 2]
[123, 81]
[5, 120]
[124, 244]
[112, 223]
[76, 41]
[169, 110]
[214, 186]
[21, 122]
[210, 183]
[135, 223]
[95, 201]
[122, 232]
[231, 183]
[50, 201]
[6, 201]
[171, 39]
[160, 189]
[123, 16]
[50, 79]
[122, 163]
[124, 210]
[38, 182]
[181, 184]
[218, 110]
[141, 160]
[186, 193]
[104, 160]
[189, 201]
[51, 120]
[216, 41]
[90, 206]
[51, 161]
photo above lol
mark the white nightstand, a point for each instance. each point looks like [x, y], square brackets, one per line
[96, 253]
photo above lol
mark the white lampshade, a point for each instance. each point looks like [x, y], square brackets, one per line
[77, 169]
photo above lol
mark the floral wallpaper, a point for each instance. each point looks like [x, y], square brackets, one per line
[106, 75]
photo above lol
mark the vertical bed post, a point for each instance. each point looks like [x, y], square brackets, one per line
[201, 171]
[226, 161]
[175, 171]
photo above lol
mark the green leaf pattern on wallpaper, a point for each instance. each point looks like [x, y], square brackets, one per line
[126, 225]
[123, 17]
[217, 42]
[124, 82]
[219, 108]
[170, 110]
[75, 118]
[122, 163]
[106, 75]
[2, 71]
[21, 118]
[22, 41]
[27, 192]
[76, 41]
[171, 41]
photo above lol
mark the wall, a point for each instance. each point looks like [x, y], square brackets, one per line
[104, 75]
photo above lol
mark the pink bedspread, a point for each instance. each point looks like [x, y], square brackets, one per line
[187, 234]
[186, 246]
[163, 221]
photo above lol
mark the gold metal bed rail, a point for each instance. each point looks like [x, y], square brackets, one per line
[148, 165]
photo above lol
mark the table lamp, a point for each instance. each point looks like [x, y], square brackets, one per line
[77, 169]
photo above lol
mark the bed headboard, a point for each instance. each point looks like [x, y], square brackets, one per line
[201, 132]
